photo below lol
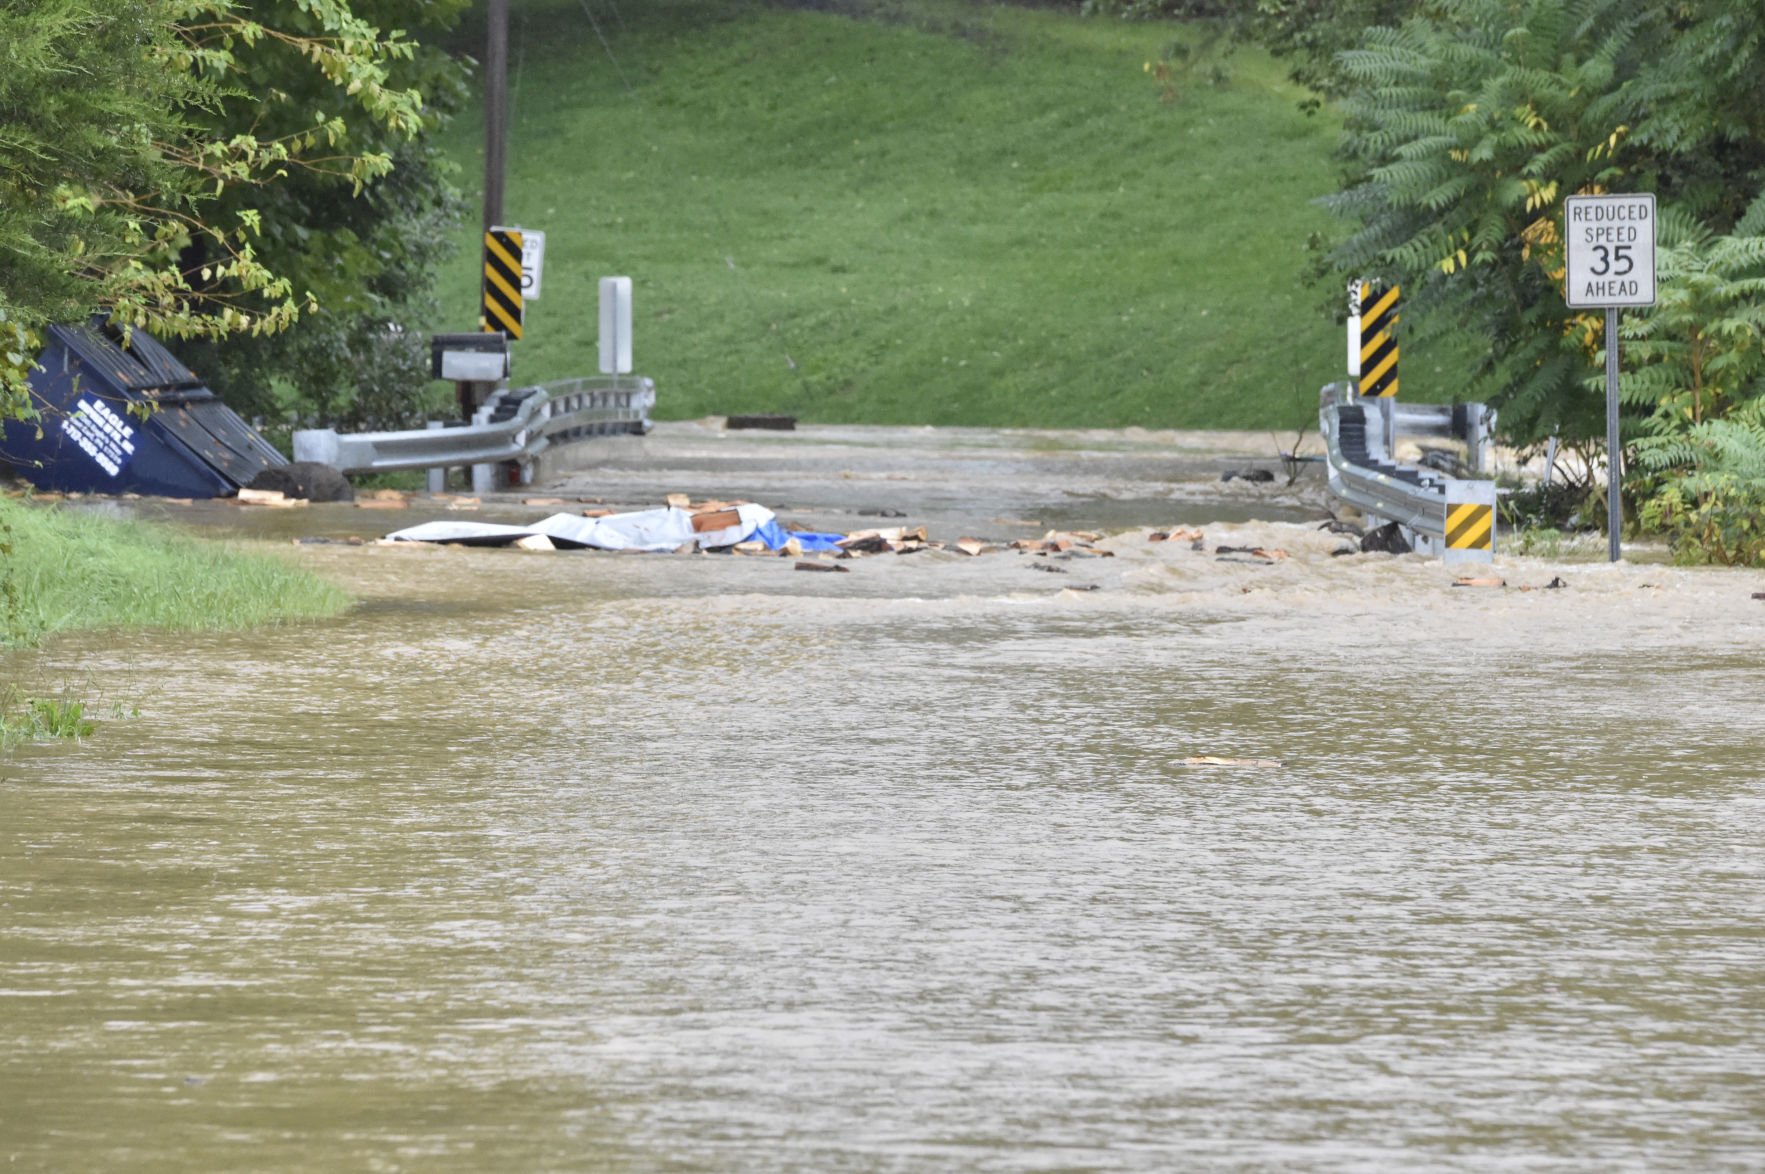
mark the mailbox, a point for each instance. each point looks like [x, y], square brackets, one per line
[482, 357]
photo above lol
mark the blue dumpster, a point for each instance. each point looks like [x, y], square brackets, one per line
[132, 419]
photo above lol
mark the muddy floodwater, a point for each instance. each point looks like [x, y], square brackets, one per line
[577, 861]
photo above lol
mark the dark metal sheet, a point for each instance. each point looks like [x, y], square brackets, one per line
[161, 365]
[145, 366]
[216, 434]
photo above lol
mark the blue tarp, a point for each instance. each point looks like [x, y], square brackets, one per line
[775, 537]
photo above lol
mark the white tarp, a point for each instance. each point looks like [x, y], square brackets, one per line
[652, 530]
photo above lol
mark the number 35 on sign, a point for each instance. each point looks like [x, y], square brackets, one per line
[1609, 246]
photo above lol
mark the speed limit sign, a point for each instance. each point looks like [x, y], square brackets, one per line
[1609, 263]
[1609, 246]
[532, 262]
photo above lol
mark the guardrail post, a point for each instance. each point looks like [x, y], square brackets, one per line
[437, 475]
[483, 476]
[320, 445]
[1481, 442]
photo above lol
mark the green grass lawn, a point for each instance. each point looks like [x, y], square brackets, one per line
[934, 212]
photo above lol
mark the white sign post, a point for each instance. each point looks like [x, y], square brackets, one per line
[615, 325]
[1609, 262]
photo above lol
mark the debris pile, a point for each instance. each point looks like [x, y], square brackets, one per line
[889, 540]
[1197, 540]
[303, 481]
[1387, 539]
[712, 525]
[1556, 583]
[1064, 544]
[684, 526]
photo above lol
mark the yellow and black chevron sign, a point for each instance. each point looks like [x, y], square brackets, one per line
[1470, 526]
[504, 308]
[1378, 344]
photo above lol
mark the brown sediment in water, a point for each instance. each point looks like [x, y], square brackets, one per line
[567, 860]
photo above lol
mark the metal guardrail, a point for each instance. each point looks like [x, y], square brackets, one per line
[515, 425]
[1364, 473]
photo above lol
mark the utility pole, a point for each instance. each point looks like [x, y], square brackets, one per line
[496, 111]
[471, 393]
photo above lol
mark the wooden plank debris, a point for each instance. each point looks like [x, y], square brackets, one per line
[1262, 555]
[708, 520]
[1064, 544]
[270, 497]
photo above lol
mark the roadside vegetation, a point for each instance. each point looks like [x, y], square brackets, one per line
[63, 570]
[1467, 124]
[68, 570]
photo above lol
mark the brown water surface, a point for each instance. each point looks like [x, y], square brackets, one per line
[582, 861]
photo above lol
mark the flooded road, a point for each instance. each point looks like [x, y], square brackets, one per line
[600, 862]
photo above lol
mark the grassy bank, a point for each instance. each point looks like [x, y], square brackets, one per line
[68, 570]
[924, 212]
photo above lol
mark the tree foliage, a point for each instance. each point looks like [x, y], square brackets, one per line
[1467, 128]
[1308, 34]
[1696, 383]
[124, 187]
[367, 258]
[1468, 125]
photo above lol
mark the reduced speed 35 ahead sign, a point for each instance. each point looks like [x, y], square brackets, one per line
[1609, 242]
